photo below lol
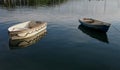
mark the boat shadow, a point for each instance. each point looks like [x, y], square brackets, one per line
[22, 43]
[99, 35]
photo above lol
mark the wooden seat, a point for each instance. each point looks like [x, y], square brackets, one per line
[88, 20]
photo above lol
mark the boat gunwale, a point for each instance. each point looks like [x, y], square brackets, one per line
[95, 23]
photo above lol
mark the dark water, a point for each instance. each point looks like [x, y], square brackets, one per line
[66, 45]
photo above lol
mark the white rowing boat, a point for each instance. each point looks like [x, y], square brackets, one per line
[26, 29]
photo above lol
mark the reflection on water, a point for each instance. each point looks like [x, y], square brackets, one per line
[34, 3]
[65, 47]
[101, 36]
[26, 42]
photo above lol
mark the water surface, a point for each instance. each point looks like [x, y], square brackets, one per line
[66, 45]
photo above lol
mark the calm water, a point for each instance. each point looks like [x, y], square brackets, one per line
[66, 45]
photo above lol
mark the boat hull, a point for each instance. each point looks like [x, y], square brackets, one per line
[26, 33]
[103, 28]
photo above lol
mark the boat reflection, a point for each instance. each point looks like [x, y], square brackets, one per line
[101, 36]
[22, 43]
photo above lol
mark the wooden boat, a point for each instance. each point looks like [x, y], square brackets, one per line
[23, 43]
[26, 29]
[95, 24]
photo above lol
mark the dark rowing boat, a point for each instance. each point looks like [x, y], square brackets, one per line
[95, 24]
